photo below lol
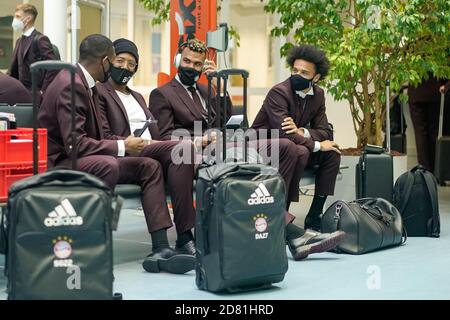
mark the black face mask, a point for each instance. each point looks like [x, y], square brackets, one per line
[299, 83]
[121, 76]
[188, 76]
[106, 74]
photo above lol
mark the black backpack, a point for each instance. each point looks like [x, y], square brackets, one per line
[37, 50]
[41, 74]
[416, 197]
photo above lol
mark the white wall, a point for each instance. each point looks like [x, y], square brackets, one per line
[338, 113]
[252, 54]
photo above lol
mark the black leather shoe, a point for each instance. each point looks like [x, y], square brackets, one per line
[313, 242]
[312, 223]
[187, 248]
[170, 261]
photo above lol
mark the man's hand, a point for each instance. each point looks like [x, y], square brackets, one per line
[328, 145]
[289, 127]
[209, 66]
[442, 89]
[134, 145]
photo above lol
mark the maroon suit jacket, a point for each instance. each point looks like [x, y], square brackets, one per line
[24, 56]
[55, 115]
[174, 108]
[114, 115]
[281, 102]
[12, 91]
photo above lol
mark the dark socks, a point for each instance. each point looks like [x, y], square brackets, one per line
[184, 238]
[159, 240]
[316, 208]
[293, 231]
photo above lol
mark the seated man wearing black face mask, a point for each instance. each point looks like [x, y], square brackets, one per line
[295, 104]
[123, 112]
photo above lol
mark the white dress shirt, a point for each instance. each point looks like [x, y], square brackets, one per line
[91, 83]
[306, 132]
[189, 93]
[28, 32]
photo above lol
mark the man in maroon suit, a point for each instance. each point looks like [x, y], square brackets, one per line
[12, 91]
[296, 107]
[123, 112]
[32, 46]
[182, 102]
[113, 161]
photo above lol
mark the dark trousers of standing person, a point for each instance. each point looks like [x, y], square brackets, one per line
[425, 119]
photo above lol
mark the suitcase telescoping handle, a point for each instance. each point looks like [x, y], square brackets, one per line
[441, 116]
[388, 117]
[223, 75]
[402, 119]
[52, 65]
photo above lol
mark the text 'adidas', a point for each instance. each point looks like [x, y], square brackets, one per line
[63, 215]
[260, 196]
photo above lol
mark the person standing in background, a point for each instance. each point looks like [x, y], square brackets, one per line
[424, 106]
[32, 46]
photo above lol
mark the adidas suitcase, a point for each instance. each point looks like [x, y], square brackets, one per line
[441, 167]
[240, 227]
[59, 229]
[374, 171]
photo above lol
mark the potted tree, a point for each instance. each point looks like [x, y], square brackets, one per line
[369, 42]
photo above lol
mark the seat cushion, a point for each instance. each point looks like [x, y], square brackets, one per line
[128, 190]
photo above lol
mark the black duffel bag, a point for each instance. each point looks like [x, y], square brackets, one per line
[369, 223]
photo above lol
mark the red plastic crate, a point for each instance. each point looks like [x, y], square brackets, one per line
[10, 174]
[16, 146]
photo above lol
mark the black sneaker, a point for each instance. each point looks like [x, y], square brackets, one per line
[314, 242]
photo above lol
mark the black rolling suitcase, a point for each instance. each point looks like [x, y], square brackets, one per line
[240, 227]
[374, 171]
[59, 229]
[441, 166]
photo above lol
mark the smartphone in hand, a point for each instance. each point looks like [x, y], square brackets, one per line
[139, 132]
